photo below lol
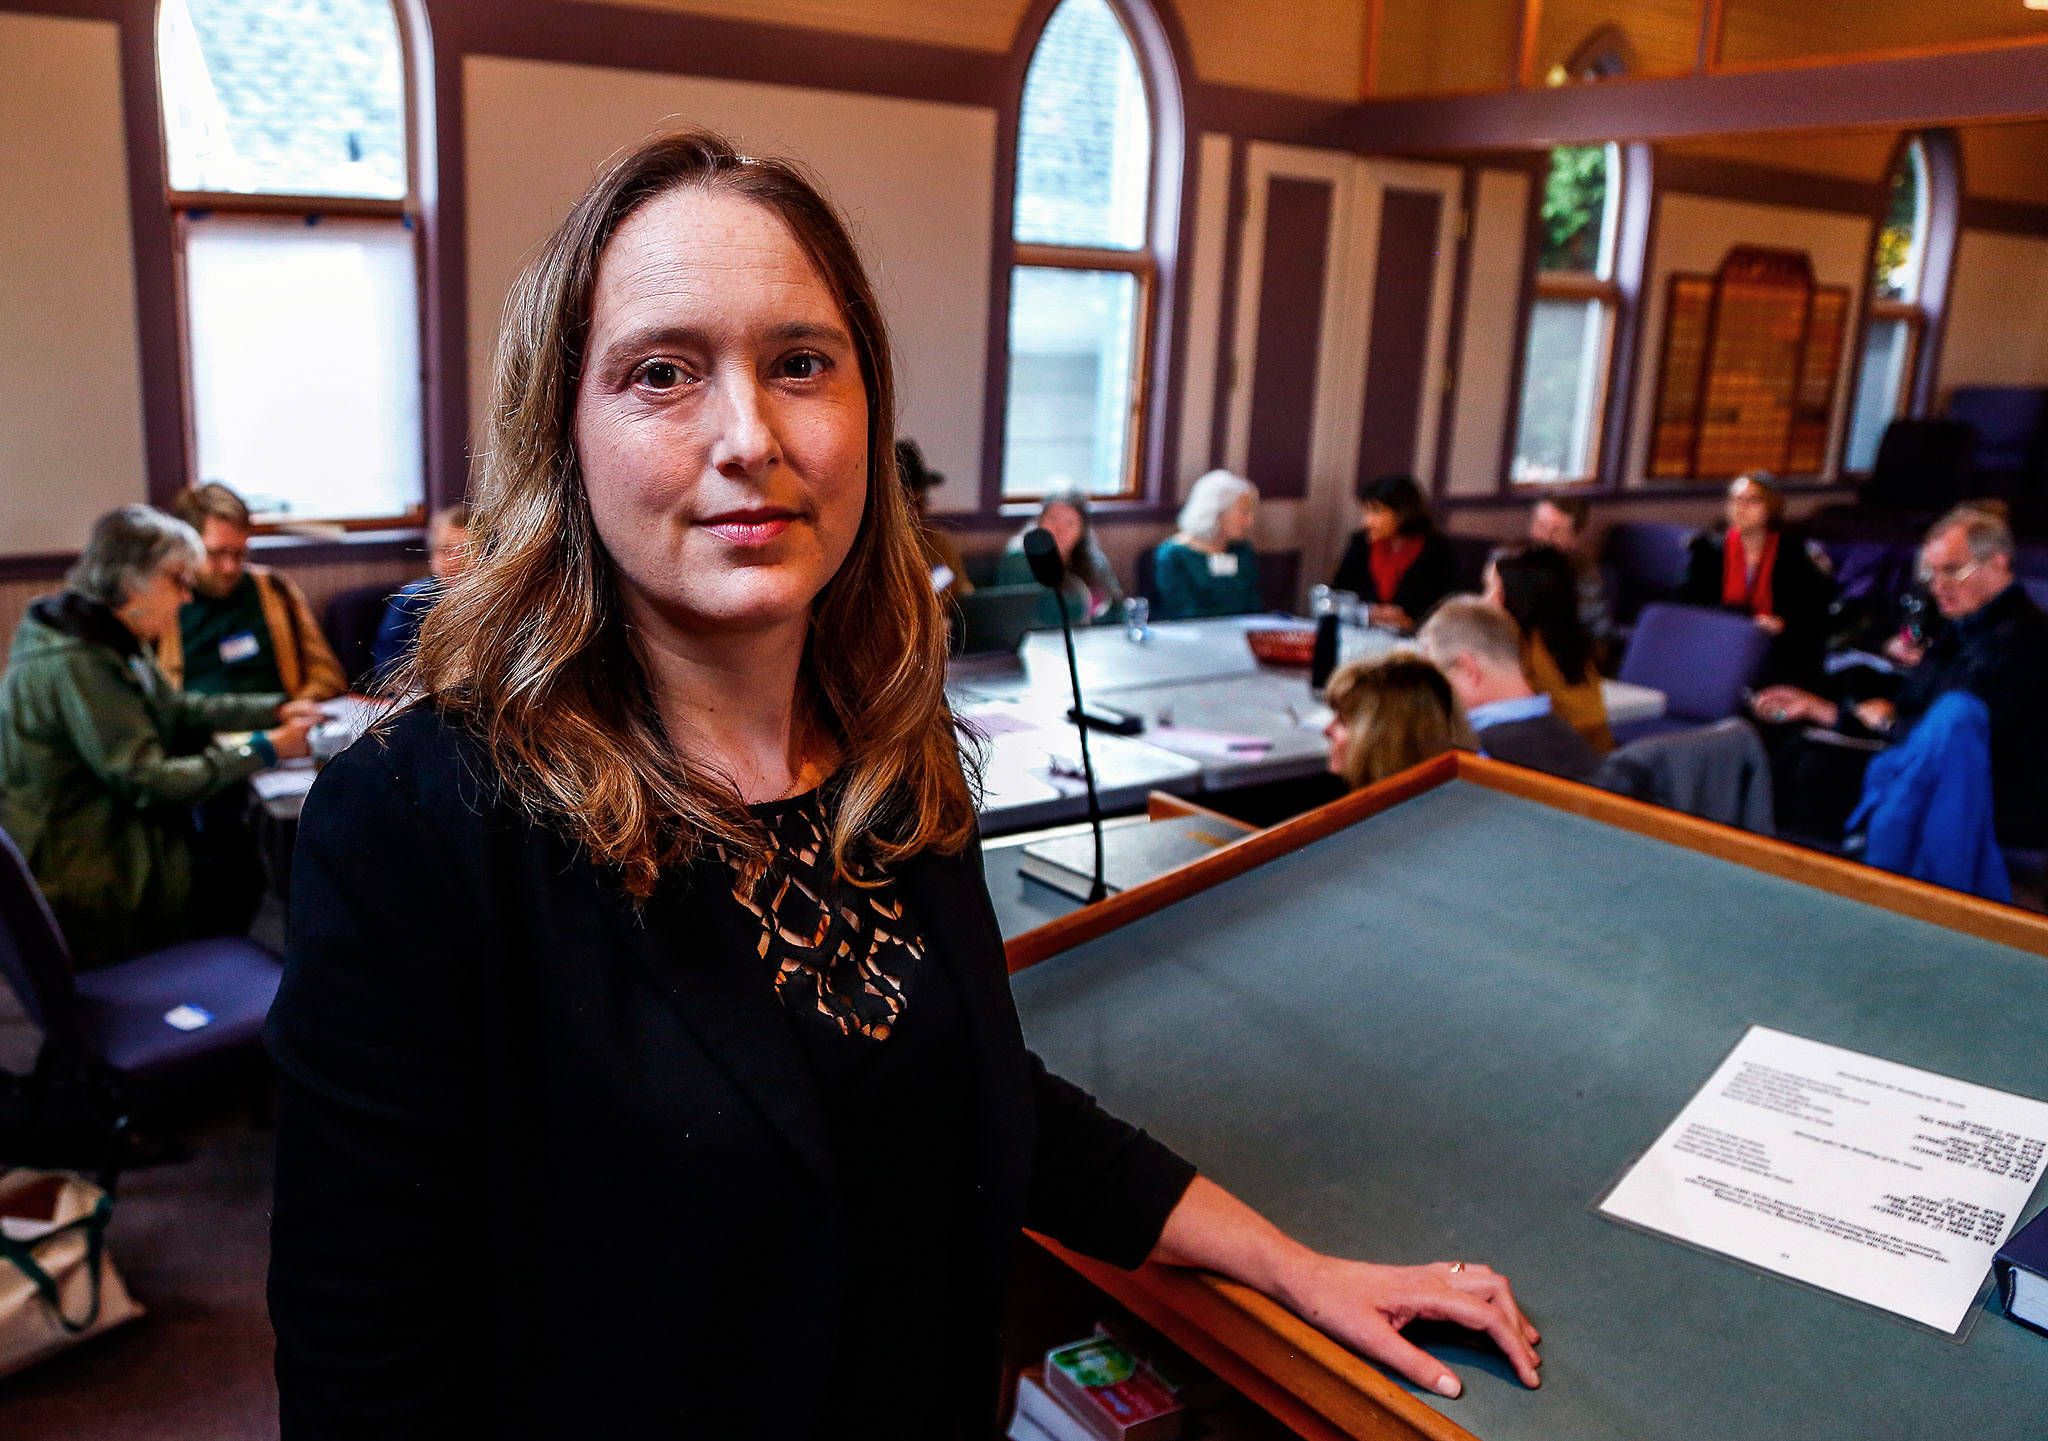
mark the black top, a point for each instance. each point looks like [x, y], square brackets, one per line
[552, 1164]
[886, 1037]
[2000, 655]
[1801, 593]
[1431, 576]
[1542, 743]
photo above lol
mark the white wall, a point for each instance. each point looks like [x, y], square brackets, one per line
[70, 379]
[1998, 312]
[914, 178]
[1484, 406]
[1693, 235]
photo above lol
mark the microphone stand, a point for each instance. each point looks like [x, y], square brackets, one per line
[1098, 889]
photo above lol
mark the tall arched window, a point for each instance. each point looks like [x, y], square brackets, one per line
[285, 127]
[1571, 326]
[1083, 281]
[1891, 332]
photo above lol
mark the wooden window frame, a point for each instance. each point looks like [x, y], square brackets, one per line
[184, 204]
[1100, 260]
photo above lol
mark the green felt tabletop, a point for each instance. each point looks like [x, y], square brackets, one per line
[1444, 1032]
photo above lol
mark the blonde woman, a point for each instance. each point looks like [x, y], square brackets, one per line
[647, 1058]
[1389, 714]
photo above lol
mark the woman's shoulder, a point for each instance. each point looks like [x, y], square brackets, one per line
[421, 759]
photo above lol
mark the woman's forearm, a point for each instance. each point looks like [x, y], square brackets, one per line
[1214, 1231]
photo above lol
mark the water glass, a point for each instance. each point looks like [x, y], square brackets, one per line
[1137, 612]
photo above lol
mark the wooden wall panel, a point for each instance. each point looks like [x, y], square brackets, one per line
[1300, 47]
[1998, 312]
[1770, 31]
[1397, 358]
[1290, 335]
[2007, 162]
[1663, 34]
[1483, 405]
[975, 24]
[1447, 47]
[1850, 154]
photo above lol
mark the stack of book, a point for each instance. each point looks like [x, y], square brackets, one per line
[1119, 1384]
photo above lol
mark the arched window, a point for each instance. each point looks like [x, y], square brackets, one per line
[286, 138]
[1084, 274]
[1892, 330]
[1571, 326]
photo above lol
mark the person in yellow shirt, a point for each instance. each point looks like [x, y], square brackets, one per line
[1538, 587]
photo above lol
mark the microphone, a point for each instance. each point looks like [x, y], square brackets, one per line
[1049, 570]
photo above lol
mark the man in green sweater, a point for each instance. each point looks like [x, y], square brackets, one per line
[102, 759]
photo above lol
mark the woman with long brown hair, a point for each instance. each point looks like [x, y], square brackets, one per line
[647, 1060]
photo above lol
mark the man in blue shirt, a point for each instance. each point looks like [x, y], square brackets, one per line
[1478, 647]
[447, 558]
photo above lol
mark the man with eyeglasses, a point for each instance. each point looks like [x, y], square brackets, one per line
[247, 630]
[1992, 641]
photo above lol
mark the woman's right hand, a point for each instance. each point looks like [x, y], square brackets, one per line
[1784, 703]
[290, 739]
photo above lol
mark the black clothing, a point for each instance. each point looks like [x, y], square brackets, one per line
[551, 1164]
[1542, 743]
[1801, 593]
[1999, 654]
[1431, 576]
[69, 613]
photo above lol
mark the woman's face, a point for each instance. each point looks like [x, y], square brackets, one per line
[1381, 522]
[151, 610]
[1065, 524]
[1338, 734]
[1747, 508]
[721, 424]
[1238, 520]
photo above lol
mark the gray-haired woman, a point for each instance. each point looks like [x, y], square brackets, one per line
[102, 759]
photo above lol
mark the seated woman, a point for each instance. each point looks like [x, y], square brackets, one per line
[1093, 596]
[102, 759]
[1390, 713]
[1208, 566]
[1537, 586]
[1756, 568]
[1397, 562]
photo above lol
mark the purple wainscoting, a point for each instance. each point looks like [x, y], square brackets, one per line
[1292, 267]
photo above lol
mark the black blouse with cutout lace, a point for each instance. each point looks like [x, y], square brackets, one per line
[886, 1035]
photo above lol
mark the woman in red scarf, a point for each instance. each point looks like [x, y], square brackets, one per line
[1397, 562]
[1755, 568]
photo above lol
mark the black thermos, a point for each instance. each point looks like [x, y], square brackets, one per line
[1325, 659]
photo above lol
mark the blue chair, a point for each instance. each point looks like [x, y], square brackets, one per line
[106, 1031]
[1703, 660]
[2011, 422]
[351, 622]
[1648, 560]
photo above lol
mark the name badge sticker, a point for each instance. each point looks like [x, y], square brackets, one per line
[1223, 563]
[238, 648]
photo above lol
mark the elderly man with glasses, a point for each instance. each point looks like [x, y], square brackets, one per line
[1992, 641]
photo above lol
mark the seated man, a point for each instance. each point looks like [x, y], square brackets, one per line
[1992, 643]
[247, 630]
[1478, 647]
[447, 558]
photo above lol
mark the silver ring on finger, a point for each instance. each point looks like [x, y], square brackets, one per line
[1456, 1267]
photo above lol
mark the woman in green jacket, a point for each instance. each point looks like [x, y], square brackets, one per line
[102, 760]
[1093, 596]
[1208, 567]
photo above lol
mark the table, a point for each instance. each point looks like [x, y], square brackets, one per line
[1438, 1018]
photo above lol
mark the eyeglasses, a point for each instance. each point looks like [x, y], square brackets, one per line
[1948, 574]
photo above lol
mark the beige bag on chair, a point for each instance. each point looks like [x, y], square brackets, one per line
[57, 1283]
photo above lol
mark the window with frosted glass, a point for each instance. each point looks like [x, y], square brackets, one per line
[285, 131]
[305, 363]
[1080, 289]
[1571, 325]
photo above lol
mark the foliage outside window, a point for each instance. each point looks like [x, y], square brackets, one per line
[1571, 326]
[1081, 288]
[285, 131]
[1892, 329]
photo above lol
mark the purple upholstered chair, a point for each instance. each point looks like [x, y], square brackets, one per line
[1648, 559]
[114, 1019]
[1701, 659]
